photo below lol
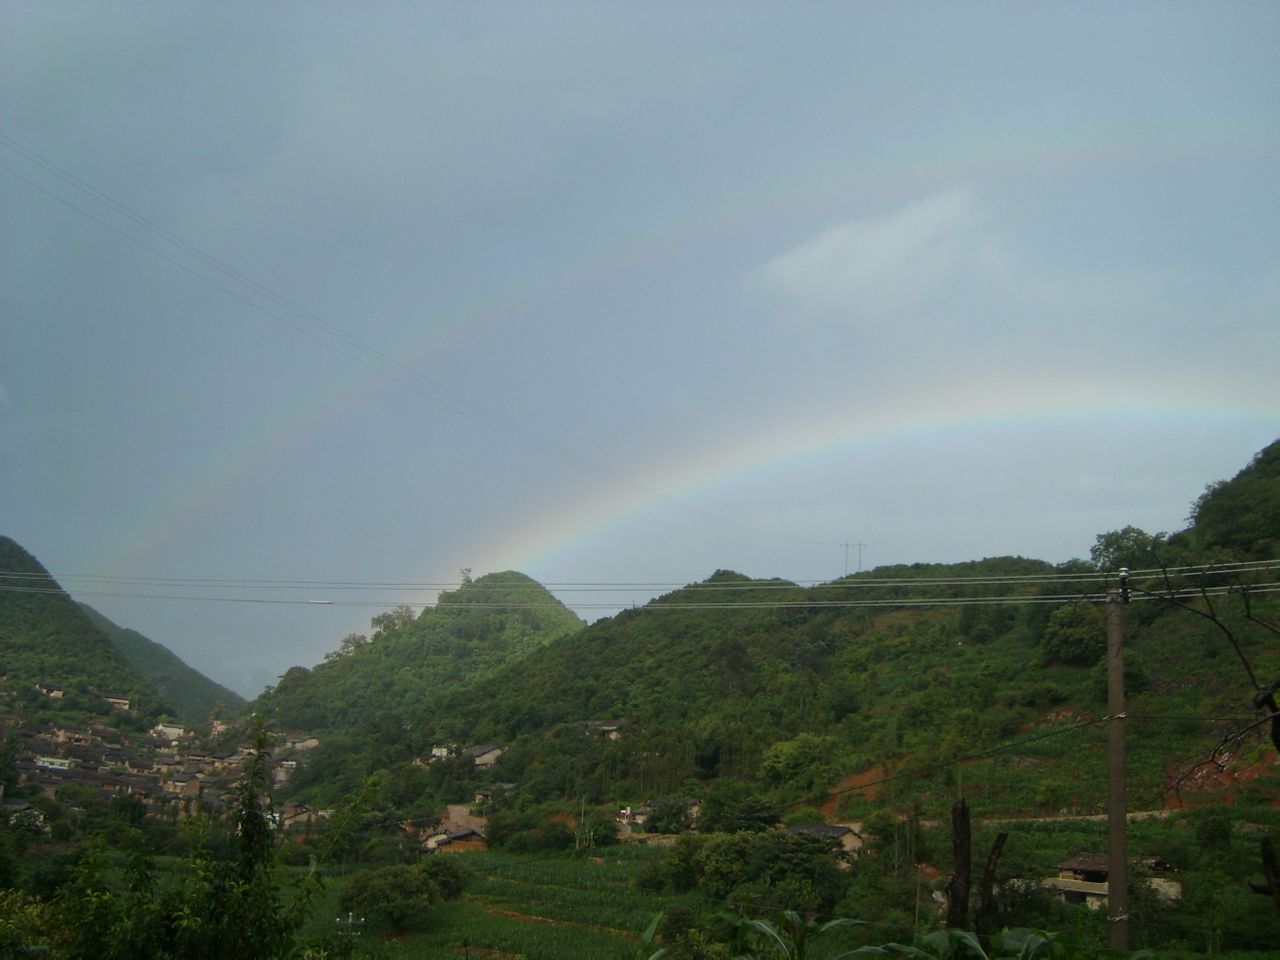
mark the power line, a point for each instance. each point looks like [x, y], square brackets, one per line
[618, 586]
[889, 602]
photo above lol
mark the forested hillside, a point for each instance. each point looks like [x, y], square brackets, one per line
[191, 694]
[878, 699]
[367, 694]
[802, 692]
[46, 638]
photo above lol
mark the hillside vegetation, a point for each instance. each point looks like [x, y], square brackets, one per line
[366, 697]
[880, 698]
[191, 694]
[46, 638]
[805, 692]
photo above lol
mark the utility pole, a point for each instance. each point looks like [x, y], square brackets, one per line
[847, 545]
[1117, 855]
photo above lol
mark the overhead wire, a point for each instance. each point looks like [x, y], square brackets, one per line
[1189, 593]
[857, 581]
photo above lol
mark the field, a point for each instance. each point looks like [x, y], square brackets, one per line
[541, 908]
[553, 906]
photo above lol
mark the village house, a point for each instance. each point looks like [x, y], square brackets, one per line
[483, 755]
[183, 784]
[51, 690]
[633, 819]
[71, 735]
[486, 795]
[119, 702]
[458, 816]
[607, 729]
[458, 840]
[1083, 879]
[299, 814]
[168, 731]
[21, 814]
[850, 840]
[437, 753]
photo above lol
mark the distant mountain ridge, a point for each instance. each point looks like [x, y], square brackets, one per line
[191, 694]
[46, 638]
[791, 688]
[486, 624]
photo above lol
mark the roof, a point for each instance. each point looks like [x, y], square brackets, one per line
[1087, 862]
[821, 829]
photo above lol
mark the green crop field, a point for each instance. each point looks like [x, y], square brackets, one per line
[543, 907]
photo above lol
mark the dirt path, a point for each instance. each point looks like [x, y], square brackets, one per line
[548, 921]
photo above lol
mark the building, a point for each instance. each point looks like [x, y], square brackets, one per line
[1083, 879]
[483, 755]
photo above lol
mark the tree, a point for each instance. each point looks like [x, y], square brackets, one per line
[805, 762]
[400, 894]
[800, 871]
[400, 616]
[1076, 636]
[1129, 547]
[669, 815]
[224, 906]
[1242, 513]
[732, 806]
[349, 645]
[790, 938]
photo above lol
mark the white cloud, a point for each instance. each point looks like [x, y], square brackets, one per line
[891, 262]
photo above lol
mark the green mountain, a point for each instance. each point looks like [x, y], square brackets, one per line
[46, 638]
[796, 690]
[807, 692]
[191, 694]
[473, 631]
[1242, 514]
[363, 699]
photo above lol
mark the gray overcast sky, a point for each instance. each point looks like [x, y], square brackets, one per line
[617, 292]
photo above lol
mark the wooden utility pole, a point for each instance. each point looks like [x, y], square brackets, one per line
[958, 886]
[1117, 855]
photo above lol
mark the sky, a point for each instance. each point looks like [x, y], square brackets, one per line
[616, 295]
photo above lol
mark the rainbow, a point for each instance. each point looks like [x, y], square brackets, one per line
[789, 445]
[786, 443]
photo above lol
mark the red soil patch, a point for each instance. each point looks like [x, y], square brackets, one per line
[830, 806]
[1213, 784]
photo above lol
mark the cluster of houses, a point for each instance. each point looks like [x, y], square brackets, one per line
[167, 770]
[172, 775]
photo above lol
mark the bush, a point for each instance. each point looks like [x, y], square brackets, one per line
[1076, 636]
[399, 894]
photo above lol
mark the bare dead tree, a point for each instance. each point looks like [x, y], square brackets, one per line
[1195, 598]
[1269, 870]
[985, 918]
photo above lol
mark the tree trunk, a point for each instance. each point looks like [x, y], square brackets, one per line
[958, 886]
[985, 918]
